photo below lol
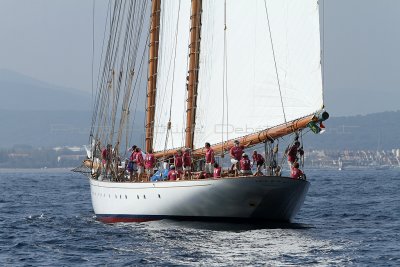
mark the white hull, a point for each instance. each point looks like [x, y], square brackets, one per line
[244, 198]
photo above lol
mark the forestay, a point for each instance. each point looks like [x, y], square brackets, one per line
[252, 99]
[172, 72]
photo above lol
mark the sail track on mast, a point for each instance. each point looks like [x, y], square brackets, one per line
[152, 79]
[194, 55]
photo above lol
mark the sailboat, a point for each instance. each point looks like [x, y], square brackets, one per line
[340, 164]
[217, 72]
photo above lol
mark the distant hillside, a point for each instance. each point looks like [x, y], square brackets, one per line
[20, 92]
[57, 128]
[38, 114]
[373, 131]
[49, 128]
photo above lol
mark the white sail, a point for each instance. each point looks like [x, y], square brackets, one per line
[253, 101]
[172, 72]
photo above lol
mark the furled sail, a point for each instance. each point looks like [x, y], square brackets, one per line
[251, 99]
[172, 73]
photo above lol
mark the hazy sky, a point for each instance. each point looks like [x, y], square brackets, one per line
[51, 40]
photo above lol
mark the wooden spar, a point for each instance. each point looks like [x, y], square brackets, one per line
[251, 139]
[152, 79]
[194, 53]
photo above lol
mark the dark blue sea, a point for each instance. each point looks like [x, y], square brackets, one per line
[350, 218]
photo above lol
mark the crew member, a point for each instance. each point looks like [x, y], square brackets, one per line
[149, 163]
[187, 164]
[217, 171]
[245, 166]
[295, 172]
[172, 174]
[236, 155]
[178, 160]
[106, 158]
[292, 153]
[259, 161]
[132, 165]
[210, 160]
[140, 164]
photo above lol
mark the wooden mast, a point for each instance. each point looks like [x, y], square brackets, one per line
[255, 138]
[152, 78]
[194, 54]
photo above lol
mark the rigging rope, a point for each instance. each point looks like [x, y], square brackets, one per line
[131, 55]
[276, 67]
[95, 103]
[301, 154]
[125, 31]
[93, 12]
[225, 86]
[323, 49]
[108, 68]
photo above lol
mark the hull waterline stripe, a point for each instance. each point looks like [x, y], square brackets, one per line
[117, 218]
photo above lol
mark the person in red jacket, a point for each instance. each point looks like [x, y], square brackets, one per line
[292, 153]
[132, 167]
[178, 161]
[210, 160]
[173, 174]
[106, 155]
[245, 165]
[187, 164]
[295, 172]
[217, 171]
[259, 161]
[149, 163]
[236, 155]
[140, 164]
